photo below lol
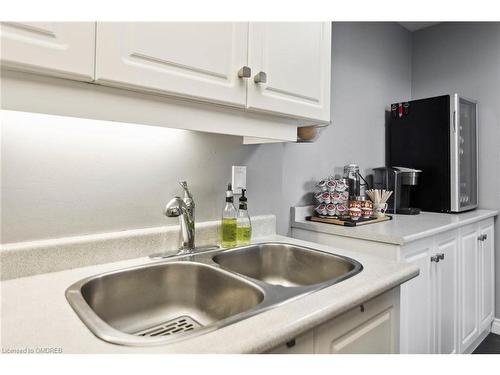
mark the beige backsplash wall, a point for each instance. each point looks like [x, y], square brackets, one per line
[63, 181]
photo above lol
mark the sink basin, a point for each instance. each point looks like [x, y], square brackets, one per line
[284, 264]
[189, 295]
[148, 303]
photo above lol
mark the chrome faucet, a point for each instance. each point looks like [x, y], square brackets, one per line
[188, 198]
[184, 210]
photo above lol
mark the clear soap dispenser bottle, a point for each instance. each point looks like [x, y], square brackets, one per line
[228, 225]
[244, 225]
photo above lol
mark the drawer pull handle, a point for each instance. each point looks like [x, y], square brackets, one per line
[290, 344]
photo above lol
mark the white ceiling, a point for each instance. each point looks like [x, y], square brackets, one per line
[414, 26]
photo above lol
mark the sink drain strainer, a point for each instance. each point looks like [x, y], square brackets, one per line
[171, 327]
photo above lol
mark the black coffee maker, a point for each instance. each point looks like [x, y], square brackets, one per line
[402, 181]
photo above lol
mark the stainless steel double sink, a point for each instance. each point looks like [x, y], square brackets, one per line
[182, 297]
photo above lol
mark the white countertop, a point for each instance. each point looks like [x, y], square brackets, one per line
[399, 231]
[35, 313]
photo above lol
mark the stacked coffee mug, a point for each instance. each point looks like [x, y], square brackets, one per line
[360, 207]
[332, 196]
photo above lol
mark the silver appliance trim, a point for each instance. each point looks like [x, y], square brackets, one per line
[455, 157]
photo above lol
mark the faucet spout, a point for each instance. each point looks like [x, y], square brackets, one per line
[176, 207]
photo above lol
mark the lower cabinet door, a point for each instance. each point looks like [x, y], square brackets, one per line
[446, 294]
[469, 286]
[371, 337]
[416, 304]
[486, 276]
[370, 329]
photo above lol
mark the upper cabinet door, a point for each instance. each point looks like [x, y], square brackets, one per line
[198, 60]
[293, 59]
[64, 49]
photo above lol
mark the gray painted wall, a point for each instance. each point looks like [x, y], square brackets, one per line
[465, 58]
[371, 68]
[62, 181]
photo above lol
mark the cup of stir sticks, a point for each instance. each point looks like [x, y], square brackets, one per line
[379, 199]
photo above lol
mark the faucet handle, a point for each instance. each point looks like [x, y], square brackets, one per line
[184, 185]
[187, 195]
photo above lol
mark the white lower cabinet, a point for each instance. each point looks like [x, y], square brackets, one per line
[453, 295]
[445, 281]
[469, 285]
[416, 309]
[449, 306]
[428, 302]
[371, 328]
[487, 275]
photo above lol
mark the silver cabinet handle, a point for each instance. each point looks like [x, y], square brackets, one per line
[260, 77]
[485, 237]
[435, 258]
[482, 237]
[440, 256]
[245, 72]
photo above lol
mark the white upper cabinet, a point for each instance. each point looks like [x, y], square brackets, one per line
[64, 49]
[198, 60]
[290, 64]
[287, 65]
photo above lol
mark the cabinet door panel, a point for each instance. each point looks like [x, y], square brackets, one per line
[446, 296]
[372, 329]
[468, 286]
[64, 49]
[372, 337]
[296, 59]
[487, 276]
[189, 59]
[416, 309]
